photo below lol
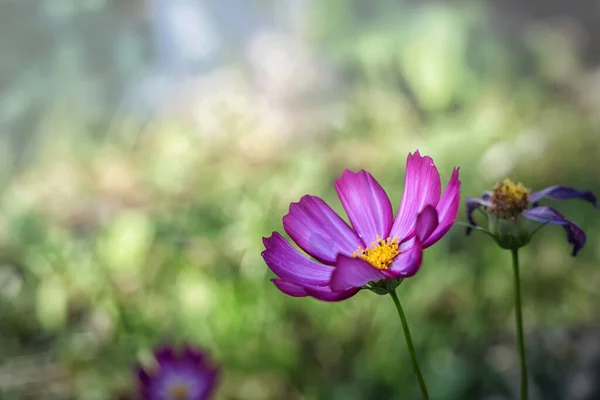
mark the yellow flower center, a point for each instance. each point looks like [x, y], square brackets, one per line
[380, 254]
[509, 199]
[179, 391]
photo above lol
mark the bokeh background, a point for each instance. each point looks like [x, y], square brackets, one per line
[146, 147]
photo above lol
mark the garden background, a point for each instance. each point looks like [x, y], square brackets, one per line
[147, 146]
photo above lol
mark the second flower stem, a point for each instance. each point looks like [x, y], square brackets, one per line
[519, 323]
[411, 347]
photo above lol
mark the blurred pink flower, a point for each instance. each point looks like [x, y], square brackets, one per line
[187, 374]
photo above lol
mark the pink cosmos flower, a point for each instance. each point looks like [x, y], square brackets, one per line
[377, 248]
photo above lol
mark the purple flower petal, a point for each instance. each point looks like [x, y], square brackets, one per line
[575, 234]
[427, 222]
[165, 356]
[560, 192]
[326, 294]
[143, 381]
[472, 205]
[366, 204]
[319, 231]
[351, 272]
[447, 209]
[291, 289]
[408, 262]
[421, 188]
[287, 263]
[213, 379]
[194, 355]
[188, 372]
[318, 292]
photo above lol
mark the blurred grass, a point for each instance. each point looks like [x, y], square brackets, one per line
[114, 242]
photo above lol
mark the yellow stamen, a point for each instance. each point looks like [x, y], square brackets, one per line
[179, 391]
[380, 254]
[509, 199]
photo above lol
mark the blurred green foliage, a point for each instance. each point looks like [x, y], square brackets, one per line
[114, 242]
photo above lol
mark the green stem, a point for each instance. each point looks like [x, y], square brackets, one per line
[519, 322]
[411, 348]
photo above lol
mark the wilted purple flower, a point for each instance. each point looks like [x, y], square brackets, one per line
[378, 248]
[514, 214]
[184, 375]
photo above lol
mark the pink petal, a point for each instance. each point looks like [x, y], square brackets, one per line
[287, 263]
[366, 204]
[291, 289]
[447, 209]
[427, 221]
[408, 262]
[319, 231]
[318, 292]
[421, 188]
[352, 272]
[326, 294]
